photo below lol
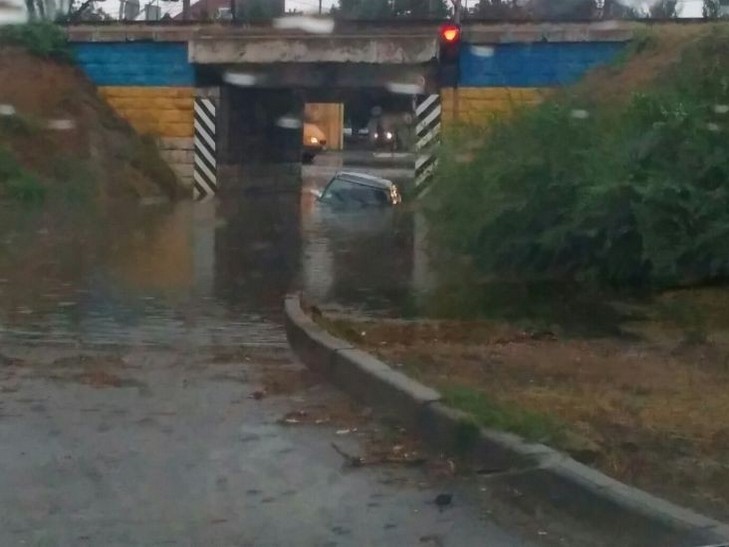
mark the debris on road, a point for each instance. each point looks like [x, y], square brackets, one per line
[258, 394]
[293, 417]
[351, 461]
[443, 500]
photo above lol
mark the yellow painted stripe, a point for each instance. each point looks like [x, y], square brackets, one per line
[159, 111]
[479, 105]
[147, 91]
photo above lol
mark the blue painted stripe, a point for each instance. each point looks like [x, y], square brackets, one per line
[135, 63]
[533, 65]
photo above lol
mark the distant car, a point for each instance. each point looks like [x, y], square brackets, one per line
[385, 138]
[315, 141]
[350, 189]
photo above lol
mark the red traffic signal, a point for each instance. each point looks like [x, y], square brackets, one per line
[449, 54]
[450, 33]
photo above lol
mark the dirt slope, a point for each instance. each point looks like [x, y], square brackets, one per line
[90, 138]
[648, 61]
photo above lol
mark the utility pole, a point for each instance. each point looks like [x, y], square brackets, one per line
[456, 11]
[319, 7]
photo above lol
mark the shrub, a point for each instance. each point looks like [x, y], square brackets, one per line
[633, 194]
[9, 166]
[41, 38]
[16, 183]
[24, 187]
[19, 125]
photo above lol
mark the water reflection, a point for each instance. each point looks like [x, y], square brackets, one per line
[356, 257]
[197, 273]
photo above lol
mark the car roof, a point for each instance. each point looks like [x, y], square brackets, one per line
[364, 178]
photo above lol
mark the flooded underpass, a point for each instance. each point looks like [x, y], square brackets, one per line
[149, 396]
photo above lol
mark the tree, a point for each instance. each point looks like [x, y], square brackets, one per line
[49, 10]
[711, 9]
[497, 9]
[421, 9]
[615, 9]
[664, 9]
[563, 10]
[258, 10]
[363, 9]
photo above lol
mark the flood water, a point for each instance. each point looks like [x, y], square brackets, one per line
[210, 273]
[147, 382]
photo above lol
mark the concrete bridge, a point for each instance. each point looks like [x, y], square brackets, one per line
[214, 95]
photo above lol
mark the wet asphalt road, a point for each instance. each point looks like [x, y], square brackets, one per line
[131, 348]
[179, 454]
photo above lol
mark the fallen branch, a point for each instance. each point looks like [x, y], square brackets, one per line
[352, 461]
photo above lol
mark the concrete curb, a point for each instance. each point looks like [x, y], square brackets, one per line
[538, 469]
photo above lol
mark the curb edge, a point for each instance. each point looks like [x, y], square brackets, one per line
[445, 428]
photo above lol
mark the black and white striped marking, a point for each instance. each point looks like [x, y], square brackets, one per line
[427, 133]
[205, 175]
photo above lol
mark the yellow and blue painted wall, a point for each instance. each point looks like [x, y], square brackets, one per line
[152, 86]
[497, 78]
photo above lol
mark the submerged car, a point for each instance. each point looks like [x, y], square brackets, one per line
[350, 189]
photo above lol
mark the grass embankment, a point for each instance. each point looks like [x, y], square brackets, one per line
[648, 406]
[560, 228]
[57, 138]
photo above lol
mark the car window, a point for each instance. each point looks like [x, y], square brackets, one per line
[345, 192]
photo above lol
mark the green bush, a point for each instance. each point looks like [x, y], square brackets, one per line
[25, 188]
[630, 194]
[9, 166]
[16, 183]
[41, 38]
[73, 181]
[20, 125]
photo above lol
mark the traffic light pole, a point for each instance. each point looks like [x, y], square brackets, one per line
[457, 21]
[456, 106]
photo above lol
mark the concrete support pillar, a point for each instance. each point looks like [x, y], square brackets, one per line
[205, 172]
[260, 138]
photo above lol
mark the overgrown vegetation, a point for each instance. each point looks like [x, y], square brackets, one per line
[615, 193]
[145, 157]
[41, 38]
[55, 127]
[16, 183]
[647, 409]
[487, 412]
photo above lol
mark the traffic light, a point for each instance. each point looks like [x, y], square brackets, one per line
[448, 54]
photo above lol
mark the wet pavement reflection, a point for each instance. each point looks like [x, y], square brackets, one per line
[210, 273]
